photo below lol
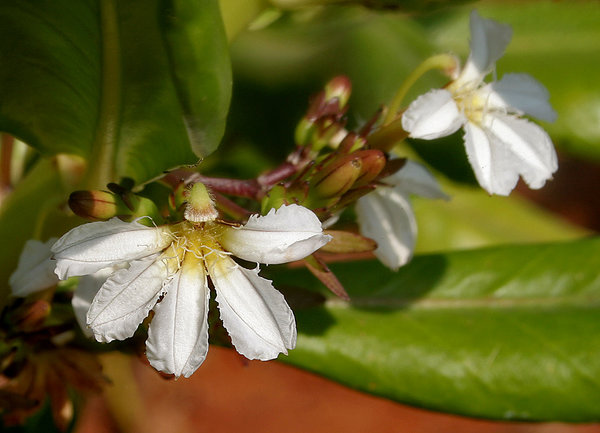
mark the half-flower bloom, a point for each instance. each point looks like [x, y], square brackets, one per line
[166, 269]
[500, 145]
[386, 215]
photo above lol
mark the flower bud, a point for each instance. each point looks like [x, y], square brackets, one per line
[351, 143]
[337, 178]
[97, 205]
[338, 88]
[102, 205]
[373, 161]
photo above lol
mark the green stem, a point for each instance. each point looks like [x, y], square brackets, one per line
[102, 160]
[440, 61]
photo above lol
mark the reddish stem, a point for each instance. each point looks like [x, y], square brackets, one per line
[8, 142]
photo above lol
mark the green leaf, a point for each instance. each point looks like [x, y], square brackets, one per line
[503, 333]
[114, 82]
[472, 218]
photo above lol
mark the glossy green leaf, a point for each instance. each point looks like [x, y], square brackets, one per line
[472, 218]
[555, 42]
[503, 333]
[110, 81]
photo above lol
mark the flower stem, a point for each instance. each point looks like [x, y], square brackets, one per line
[441, 61]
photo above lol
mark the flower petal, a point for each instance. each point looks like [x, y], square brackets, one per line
[432, 115]
[488, 42]
[524, 94]
[531, 153]
[290, 233]
[88, 287]
[414, 178]
[35, 270]
[386, 216]
[91, 247]
[256, 315]
[126, 298]
[178, 335]
[489, 162]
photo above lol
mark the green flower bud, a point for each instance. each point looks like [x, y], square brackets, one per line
[97, 205]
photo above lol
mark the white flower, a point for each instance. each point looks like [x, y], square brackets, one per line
[35, 270]
[386, 216]
[500, 144]
[168, 270]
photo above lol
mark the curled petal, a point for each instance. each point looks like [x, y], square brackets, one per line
[524, 94]
[126, 298]
[91, 247]
[432, 115]
[178, 335]
[255, 314]
[414, 178]
[488, 42]
[386, 216]
[290, 233]
[35, 270]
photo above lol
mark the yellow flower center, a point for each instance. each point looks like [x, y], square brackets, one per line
[472, 105]
[199, 240]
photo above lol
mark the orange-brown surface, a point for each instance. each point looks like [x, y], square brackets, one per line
[228, 394]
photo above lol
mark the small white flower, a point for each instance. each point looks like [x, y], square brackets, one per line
[35, 271]
[386, 215]
[167, 271]
[500, 145]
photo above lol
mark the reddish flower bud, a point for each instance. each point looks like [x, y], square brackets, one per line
[338, 88]
[373, 161]
[337, 177]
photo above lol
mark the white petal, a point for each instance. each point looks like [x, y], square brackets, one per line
[35, 270]
[524, 94]
[126, 298]
[479, 154]
[386, 216]
[87, 288]
[532, 154]
[178, 336]
[488, 42]
[256, 315]
[414, 178]
[432, 115]
[91, 247]
[290, 233]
